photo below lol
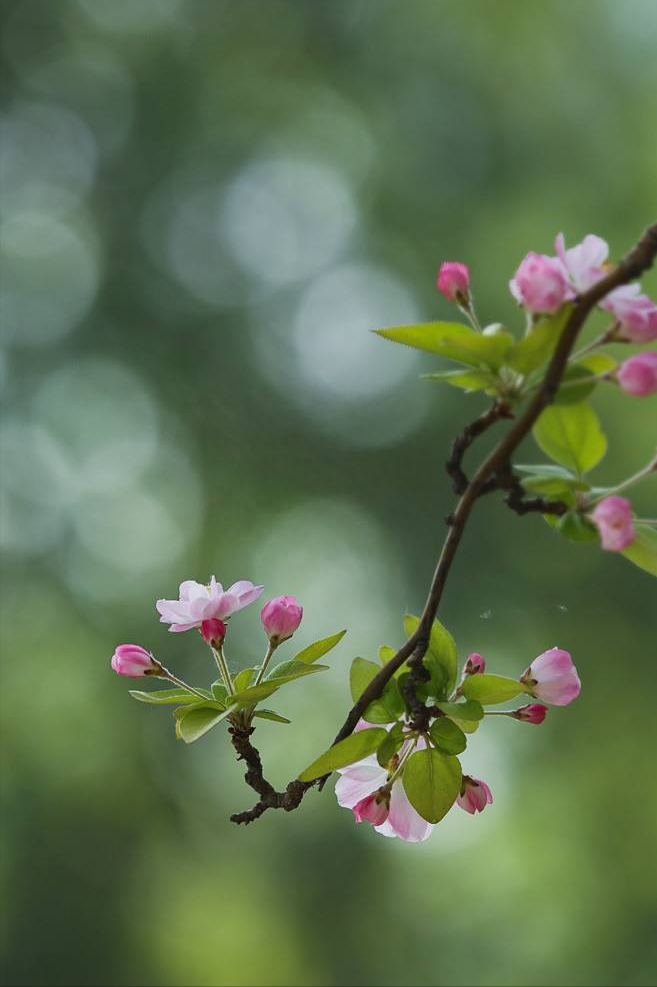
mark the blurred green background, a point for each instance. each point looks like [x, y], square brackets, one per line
[205, 206]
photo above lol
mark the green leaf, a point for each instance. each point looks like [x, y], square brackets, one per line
[290, 670]
[572, 436]
[243, 679]
[577, 527]
[389, 706]
[163, 696]
[454, 341]
[491, 689]
[193, 722]
[269, 714]
[467, 380]
[546, 478]
[643, 550]
[386, 653]
[470, 710]
[432, 782]
[441, 659]
[538, 345]
[219, 692]
[448, 736]
[353, 748]
[319, 648]
[598, 363]
[248, 697]
[390, 745]
[576, 385]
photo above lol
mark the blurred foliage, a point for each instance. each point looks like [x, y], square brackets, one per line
[205, 206]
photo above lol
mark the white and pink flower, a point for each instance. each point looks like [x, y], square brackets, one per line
[199, 602]
[636, 313]
[134, 661]
[540, 284]
[613, 517]
[583, 265]
[638, 375]
[280, 618]
[553, 678]
[475, 795]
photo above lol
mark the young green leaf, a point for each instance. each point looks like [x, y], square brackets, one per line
[243, 679]
[361, 674]
[269, 714]
[468, 711]
[432, 782]
[390, 745]
[293, 669]
[454, 341]
[389, 706]
[353, 748]
[467, 380]
[491, 689]
[546, 478]
[578, 383]
[193, 722]
[386, 653]
[219, 692]
[448, 736]
[577, 527]
[163, 696]
[319, 648]
[571, 435]
[253, 695]
[441, 659]
[643, 550]
[537, 346]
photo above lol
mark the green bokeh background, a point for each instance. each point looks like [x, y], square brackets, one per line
[205, 206]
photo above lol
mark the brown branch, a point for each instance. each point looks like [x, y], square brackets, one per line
[518, 500]
[254, 777]
[462, 442]
[638, 260]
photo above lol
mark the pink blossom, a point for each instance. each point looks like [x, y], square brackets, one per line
[583, 264]
[475, 795]
[636, 313]
[454, 280]
[638, 375]
[553, 678]
[613, 516]
[366, 777]
[374, 808]
[280, 618]
[540, 283]
[199, 602]
[474, 665]
[134, 661]
[213, 630]
[532, 713]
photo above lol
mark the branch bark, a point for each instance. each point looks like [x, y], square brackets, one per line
[495, 466]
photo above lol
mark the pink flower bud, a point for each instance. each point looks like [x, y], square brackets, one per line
[540, 284]
[613, 516]
[475, 795]
[553, 678]
[133, 661]
[280, 618]
[533, 713]
[213, 631]
[454, 280]
[638, 375]
[375, 807]
[475, 665]
[636, 313]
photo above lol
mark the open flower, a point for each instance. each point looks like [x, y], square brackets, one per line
[199, 602]
[134, 661]
[583, 264]
[613, 517]
[553, 677]
[363, 780]
[636, 313]
[475, 795]
[540, 284]
[375, 808]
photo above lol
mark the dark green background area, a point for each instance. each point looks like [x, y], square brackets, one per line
[205, 206]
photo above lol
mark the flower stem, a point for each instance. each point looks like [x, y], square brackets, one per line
[166, 674]
[222, 665]
[265, 662]
[606, 337]
[631, 480]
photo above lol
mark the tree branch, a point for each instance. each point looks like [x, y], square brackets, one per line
[494, 466]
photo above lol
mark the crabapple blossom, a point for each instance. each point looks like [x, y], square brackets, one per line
[199, 602]
[280, 618]
[540, 283]
[474, 665]
[638, 375]
[636, 313]
[375, 808]
[134, 661]
[475, 795]
[613, 517]
[553, 677]
[583, 264]
[454, 280]
[532, 713]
